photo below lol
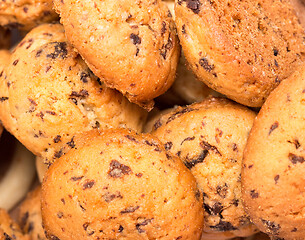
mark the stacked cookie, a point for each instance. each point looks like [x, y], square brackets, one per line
[79, 93]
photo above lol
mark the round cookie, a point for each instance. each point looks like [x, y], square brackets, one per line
[120, 185]
[242, 49]
[29, 216]
[273, 165]
[209, 137]
[9, 229]
[48, 94]
[26, 14]
[130, 44]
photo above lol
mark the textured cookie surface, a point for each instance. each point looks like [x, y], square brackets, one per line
[119, 185]
[210, 137]
[9, 229]
[130, 44]
[26, 14]
[48, 94]
[274, 162]
[242, 49]
[29, 217]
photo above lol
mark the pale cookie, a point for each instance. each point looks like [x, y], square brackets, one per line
[274, 162]
[130, 44]
[10, 230]
[48, 94]
[209, 137]
[242, 49]
[26, 14]
[120, 185]
[29, 216]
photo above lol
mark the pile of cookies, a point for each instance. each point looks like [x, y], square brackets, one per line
[153, 119]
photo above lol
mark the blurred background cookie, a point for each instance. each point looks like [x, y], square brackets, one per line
[26, 14]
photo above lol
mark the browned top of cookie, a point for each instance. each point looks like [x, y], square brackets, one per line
[209, 137]
[48, 94]
[120, 185]
[26, 14]
[131, 45]
[273, 171]
[243, 49]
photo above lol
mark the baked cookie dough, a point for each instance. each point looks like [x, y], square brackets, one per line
[242, 49]
[130, 44]
[273, 166]
[29, 216]
[48, 94]
[209, 137]
[26, 14]
[9, 229]
[120, 185]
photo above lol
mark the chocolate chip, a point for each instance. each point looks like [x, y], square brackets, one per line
[135, 39]
[194, 5]
[206, 65]
[130, 209]
[168, 145]
[15, 62]
[57, 139]
[205, 145]
[276, 178]
[71, 143]
[117, 170]
[76, 178]
[254, 194]
[199, 159]
[131, 138]
[60, 50]
[88, 184]
[216, 209]
[224, 226]
[2, 99]
[295, 159]
[108, 197]
[222, 190]
[187, 139]
[272, 226]
[296, 143]
[273, 127]
[121, 228]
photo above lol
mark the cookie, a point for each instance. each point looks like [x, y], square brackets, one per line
[131, 45]
[5, 38]
[9, 229]
[242, 49]
[29, 216]
[111, 188]
[299, 7]
[209, 137]
[48, 94]
[25, 15]
[273, 164]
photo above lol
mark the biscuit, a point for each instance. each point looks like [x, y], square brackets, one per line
[242, 49]
[273, 164]
[131, 45]
[299, 6]
[120, 185]
[29, 216]
[209, 137]
[9, 229]
[26, 14]
[48, 94]
[5, 38]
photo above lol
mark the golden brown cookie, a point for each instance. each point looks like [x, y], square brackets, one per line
[242, 49]
[130, 44]
[274, 162]
[29, 217]
[48, 94]
[120, 185]
[210, 137]
[9, 229]
[26, 14]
